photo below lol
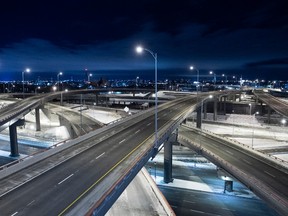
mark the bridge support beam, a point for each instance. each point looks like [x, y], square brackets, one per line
[224, 106]
[269, 115]
[37, 116]
[199, 117]
[13, 137]
[228, 186]
[215, 110]
[205, 110]
[97, 99]
[168, 162]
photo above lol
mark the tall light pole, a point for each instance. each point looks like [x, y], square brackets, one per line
[192, 68]
[225, 78]
[89, 76]
[27, 70]
[211, 72]
[140, 49]
[58, 78]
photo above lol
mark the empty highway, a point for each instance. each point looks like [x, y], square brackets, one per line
[59, 189]
[266, 179]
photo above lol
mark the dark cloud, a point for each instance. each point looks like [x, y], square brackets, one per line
[73, 34]
[271, 62]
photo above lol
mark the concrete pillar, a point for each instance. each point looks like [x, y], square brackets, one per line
[215, 110]
[220, 104]
[97, 99]
[13, 137]
[168, 162]
[239, 97]
[224, 106]
[205, 110]
[199, 117]
[37, 116]
[61, 99]
[269, 115]
[228, 186]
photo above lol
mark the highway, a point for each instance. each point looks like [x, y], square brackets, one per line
[258, 174]
[276, 104]
[58, 190]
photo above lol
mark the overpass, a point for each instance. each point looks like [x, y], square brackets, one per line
[120, 154]
[103, 161]
[263, 175]
[272, 102]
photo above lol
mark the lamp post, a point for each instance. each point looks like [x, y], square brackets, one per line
[140, 49]
[27, 70]
[197, 86]
[223, 75]
[89, 76]
[58, 78]
[214, 80]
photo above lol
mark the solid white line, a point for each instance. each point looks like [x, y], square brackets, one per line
[248, 162]
[65, 179]
[14, 213]
[229, 152]
[270, 174]
[100, 155]
[188, 201]
[137, 131]
[122, 141]
[31, 202]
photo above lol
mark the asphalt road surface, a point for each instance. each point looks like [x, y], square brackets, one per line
[59, 189]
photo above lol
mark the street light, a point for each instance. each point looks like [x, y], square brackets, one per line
[140, 49]
[223, 75]
[58, 75]
[214, 80]
[192, 68]
[89, 76]
[27, 70]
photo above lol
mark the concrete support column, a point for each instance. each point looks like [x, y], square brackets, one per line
[37, 116]
[215, 110]
[269, 115]
[220, 104]
[228, 186]
[168, 162]
[205, 110]
[261, 108]
[61, 99]
[199, 117]
[13, 137]
[97, 99]
[239, 97]
[224, 106]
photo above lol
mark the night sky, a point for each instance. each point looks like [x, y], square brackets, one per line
[235, 37]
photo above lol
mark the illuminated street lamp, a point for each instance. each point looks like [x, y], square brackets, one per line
[223, 75]
[192, 68]
[89, 76]
[27, 70]
[54, 88]
[140, 49]
[58, 78]
[214, 80]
